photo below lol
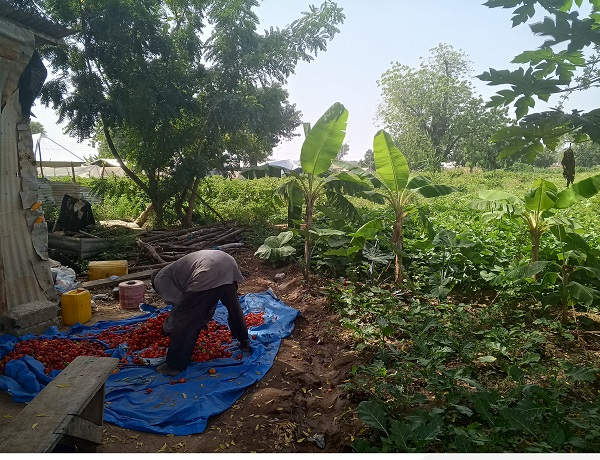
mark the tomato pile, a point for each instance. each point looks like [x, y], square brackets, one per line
[148, 334]
[53, 353]
[114, 335]
[144, 340]
[153, 352]
[255, 319]
[212, 343]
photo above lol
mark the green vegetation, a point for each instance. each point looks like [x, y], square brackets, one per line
[176, 89]
[434, 116]
[483, 376]
[474, 352]
[565, 63]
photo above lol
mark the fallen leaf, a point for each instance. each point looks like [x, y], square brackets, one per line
[42, 415]
[8, 416]
[301, 439]
[184, 395]
[163, 448]
[34, 425]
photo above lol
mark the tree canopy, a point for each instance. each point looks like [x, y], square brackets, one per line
[566, 62]
[176, 88]
[433, 114]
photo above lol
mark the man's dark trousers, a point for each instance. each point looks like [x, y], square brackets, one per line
[193, 314]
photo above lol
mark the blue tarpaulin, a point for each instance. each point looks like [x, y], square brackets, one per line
[180, 408]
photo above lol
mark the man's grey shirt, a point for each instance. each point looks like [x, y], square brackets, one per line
[196, 272]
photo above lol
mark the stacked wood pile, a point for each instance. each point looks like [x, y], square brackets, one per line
[169, 245]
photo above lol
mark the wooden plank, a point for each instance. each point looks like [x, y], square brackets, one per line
[80, 428]
[141, 268]
[70, 393]
[104, 282]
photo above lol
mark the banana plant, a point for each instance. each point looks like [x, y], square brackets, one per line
[397, 187]
[573, 277]
[321, 145]
[537, 207]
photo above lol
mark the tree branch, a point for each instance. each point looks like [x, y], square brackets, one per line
[113, 150]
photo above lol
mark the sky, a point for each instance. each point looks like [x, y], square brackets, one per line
[375, 34]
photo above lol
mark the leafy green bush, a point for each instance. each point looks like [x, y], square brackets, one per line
[491, 377]
[276, 248]
[246, 201]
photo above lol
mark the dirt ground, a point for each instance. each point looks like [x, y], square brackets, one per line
[296, 407]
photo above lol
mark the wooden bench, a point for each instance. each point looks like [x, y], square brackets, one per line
[68, 410]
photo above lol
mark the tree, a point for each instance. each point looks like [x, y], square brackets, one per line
[171, 100]
[368, 161]
[343, 151]
[549, 71]
[587, 154]
[37, 128]
[432, 112]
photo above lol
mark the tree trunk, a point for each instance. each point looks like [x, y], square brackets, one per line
[143, 217]
[151, 190]
[535, 249]
[398, 241]
[566, 279]
[535, 245]
[157, 205]
[187, 222]
[307, 240]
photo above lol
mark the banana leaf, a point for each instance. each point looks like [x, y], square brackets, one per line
[390, 163]
[324, 140]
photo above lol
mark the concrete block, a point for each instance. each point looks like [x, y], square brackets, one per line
[34, 329]
[32, 313]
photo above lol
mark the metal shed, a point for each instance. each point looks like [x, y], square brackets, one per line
[28, 299]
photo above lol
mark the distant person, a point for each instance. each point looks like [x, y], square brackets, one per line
[193, 285]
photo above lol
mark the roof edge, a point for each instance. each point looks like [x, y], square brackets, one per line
[44, 29]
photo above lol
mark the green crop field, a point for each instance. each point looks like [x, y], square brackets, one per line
[477, 349]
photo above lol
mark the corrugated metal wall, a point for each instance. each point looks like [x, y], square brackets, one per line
[19, 261]
[17, 255]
